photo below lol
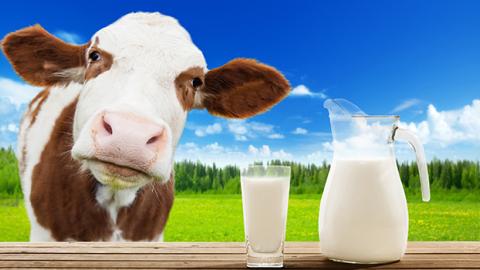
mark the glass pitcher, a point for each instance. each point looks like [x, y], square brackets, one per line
[363, 211]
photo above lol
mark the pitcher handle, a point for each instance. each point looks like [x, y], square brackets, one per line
[412, 139]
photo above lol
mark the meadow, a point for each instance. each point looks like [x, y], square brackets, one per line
[201, 217]
[208, 204]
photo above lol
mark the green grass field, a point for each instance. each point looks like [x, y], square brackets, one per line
[219, 218]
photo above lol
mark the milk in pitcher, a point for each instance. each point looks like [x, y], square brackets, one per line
[363, 211]
[363, 215]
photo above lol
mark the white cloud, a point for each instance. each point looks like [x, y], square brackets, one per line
[208, 130]
[300, 131]
[281, 154]
[230, 155]
[322, 134]
[223, 155]
[303, 91]
[17, 92]
[447, 134]
[208, 154]
[241, 138]
[69, 37]
[406, 104]
[14, 97]
[299, 118]
[13, 128]
[261, 127]
[214, 148]
[244, 130]
[238, 129]
[190, 146]
[449, 127]
[453, 134]
[265, 153]
[276, 136]
[324, 153]
[252, 149]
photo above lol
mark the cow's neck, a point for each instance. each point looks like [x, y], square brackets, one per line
[113, 199]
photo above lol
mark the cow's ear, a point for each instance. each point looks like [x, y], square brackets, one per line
[41, 59]
[242, 88]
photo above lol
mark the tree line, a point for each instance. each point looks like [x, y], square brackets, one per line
[196, 177]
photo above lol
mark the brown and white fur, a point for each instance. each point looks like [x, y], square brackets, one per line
[96, 147]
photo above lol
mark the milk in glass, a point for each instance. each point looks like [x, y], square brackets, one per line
[265, 204]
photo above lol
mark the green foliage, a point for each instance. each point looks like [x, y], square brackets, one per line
[9, 179]
[195, 177]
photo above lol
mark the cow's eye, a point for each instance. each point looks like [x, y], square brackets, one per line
[94, 56]
[196, 82]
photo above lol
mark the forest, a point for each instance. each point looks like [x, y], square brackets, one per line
[195, 177]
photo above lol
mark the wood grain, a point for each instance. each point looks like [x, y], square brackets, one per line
[137, 255]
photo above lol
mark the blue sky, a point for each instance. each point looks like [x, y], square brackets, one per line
[418, 59]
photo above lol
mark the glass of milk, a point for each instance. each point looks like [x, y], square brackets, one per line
[265, 203]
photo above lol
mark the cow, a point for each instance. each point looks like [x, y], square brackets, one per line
[96, 147]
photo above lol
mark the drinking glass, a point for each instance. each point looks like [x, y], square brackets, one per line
[265, 203]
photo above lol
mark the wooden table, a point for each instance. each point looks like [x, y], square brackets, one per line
[432, 255]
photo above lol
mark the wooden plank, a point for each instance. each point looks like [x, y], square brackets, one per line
[444, 247]
[207, 247]
[420, 255]
[122, 257]
[202, 257]
[202, 244]
[312, 244]
[317, 262]
[135, 244]
[128, 250]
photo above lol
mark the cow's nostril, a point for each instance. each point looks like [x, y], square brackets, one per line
[157, 137]
[107, 127]
[153, 139]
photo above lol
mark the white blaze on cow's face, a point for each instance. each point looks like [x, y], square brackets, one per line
[134, 100]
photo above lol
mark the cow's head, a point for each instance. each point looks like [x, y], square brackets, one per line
[140, 76]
